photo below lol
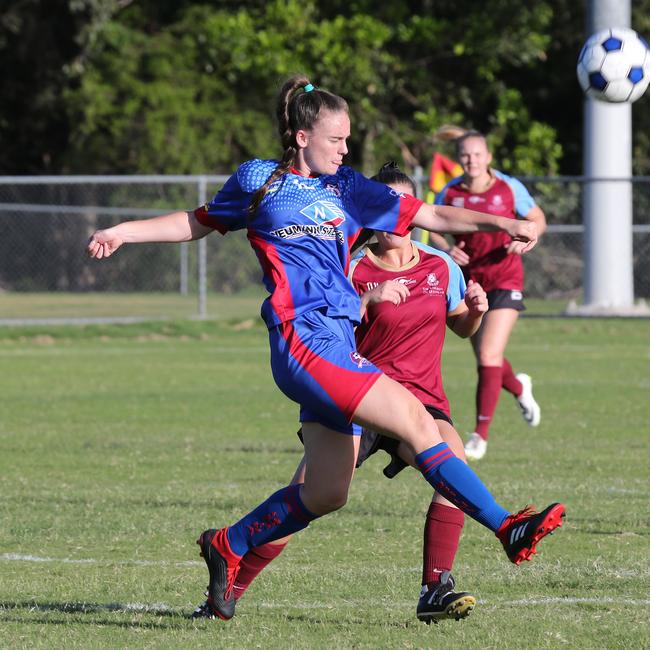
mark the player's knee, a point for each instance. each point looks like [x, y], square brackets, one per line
[489, 358]
[421, 431]
[328, 500]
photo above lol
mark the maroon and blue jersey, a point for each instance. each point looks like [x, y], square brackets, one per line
[302, 232]
[489, 263]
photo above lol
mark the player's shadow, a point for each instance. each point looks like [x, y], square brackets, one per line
[33, 608]
[320, 620]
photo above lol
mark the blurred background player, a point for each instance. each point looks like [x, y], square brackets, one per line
[489, 259]
[409, 292]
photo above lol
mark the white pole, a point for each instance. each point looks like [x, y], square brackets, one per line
[607, 195]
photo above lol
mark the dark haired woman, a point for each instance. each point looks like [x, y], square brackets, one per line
[301, 215]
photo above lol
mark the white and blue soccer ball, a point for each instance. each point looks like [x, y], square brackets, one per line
[614, 65]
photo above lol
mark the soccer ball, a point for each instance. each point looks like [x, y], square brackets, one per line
[614, 65]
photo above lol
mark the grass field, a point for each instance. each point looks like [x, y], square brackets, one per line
[106, 305]
[57, 305]
[119, 444]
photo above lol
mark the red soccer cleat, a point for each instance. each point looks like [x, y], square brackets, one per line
[223, 565]
[521, 532]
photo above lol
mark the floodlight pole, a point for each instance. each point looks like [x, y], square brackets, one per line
[607, 193]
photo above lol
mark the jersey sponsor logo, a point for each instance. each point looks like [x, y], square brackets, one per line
[358, 360]
[406, 281]
[308, 230]
[458, 201]
[334, 189]
[324, 213]
[402, 280]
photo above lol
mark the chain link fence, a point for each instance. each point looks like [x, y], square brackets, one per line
[46, 222]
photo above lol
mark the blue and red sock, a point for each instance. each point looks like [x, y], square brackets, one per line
[458, 483]
[282, 514]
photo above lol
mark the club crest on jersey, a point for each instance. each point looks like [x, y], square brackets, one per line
[432, 286]
[497, 204]
[358, 360]
[324, 213]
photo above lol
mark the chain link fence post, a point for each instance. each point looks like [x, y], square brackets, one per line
[202, 255]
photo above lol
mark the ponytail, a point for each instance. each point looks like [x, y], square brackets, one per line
[457, 135]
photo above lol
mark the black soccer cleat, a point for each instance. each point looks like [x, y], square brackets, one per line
[203, 611]
[223, 565]
[442, 602]
[520, 533]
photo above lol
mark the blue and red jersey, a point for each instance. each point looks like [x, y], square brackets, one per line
[489, 264]
[405, 341]
[302, 232]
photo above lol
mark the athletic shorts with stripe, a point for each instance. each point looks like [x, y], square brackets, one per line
[315, 363]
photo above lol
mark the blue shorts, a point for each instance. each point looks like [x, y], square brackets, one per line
[315, 363]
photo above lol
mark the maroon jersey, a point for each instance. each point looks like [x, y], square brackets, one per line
[405, 341]
[489, 264]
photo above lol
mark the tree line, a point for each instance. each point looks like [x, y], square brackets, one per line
[178, 86]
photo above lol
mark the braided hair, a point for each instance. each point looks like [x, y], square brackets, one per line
[299, 105]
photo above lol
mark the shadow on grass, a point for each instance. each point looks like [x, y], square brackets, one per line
[31, 607]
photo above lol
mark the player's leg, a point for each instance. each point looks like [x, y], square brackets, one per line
[444, 522]
[489, 345]
[258, 558]
[330, 458]
[389, 408]
[521, 387]
[509, 380]
[438, 598]
[313, 362]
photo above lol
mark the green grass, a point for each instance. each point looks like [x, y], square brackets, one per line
[119, 444]
[51, 305]
[59, 304]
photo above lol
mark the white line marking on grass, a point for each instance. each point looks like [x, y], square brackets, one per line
[569, 600]
[16, 557]
[543, 601]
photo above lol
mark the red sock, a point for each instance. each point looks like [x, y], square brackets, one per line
[252, 564]
[508, 379]
[487, 397]
[442, 530]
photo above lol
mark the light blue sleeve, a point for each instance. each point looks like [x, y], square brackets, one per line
[456, 287]
[524, 202]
